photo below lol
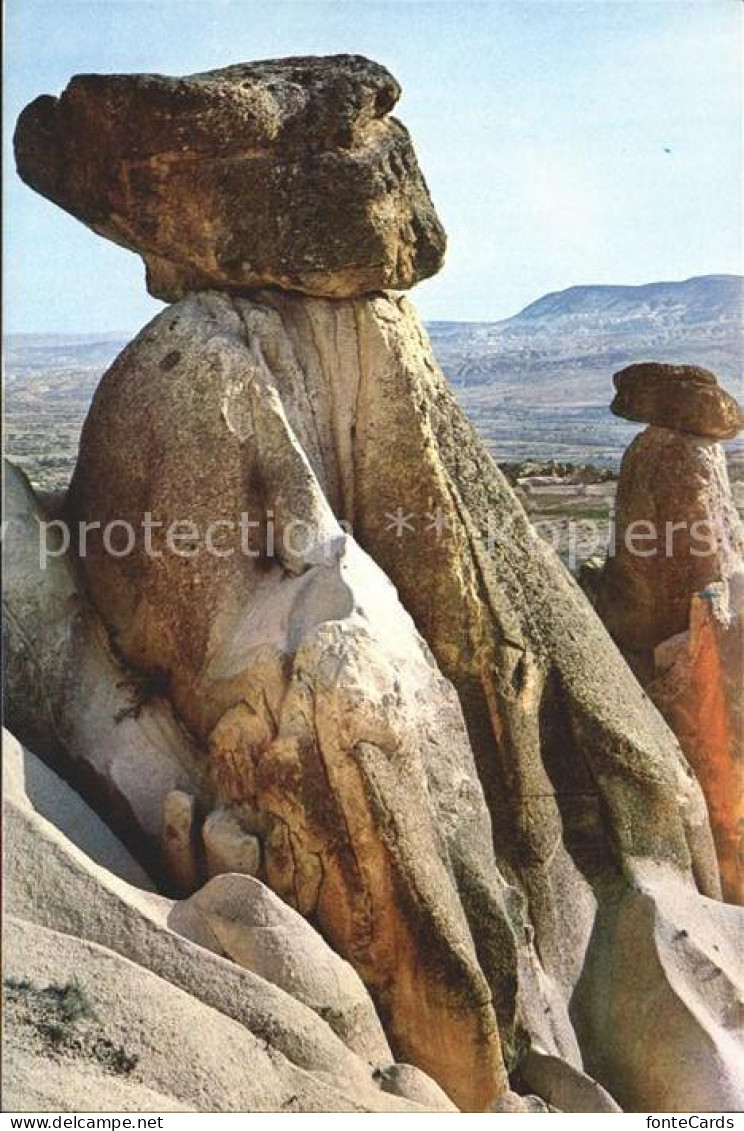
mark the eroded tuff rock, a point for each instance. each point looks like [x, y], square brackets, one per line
[229, 846]
[670, 591]
[328, 725]
[683, 397]
[67, 693]
[326, 719]
[240, 917]
[676, 531]
[331, 752]
[698, 685]
[660, 999]
[288, 172]
[340, 839]
[167, 1022]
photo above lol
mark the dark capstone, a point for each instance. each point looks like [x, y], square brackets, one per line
[287, 172]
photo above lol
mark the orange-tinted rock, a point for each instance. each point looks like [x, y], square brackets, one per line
[671, 589]
[683, 397]
[676, 531]
[699, 688]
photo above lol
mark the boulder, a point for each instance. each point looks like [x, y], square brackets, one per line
[676, 531]
[327, 722]
[107, 1006]
[682, 397]
[410, 1082]
[179, 840]
[383, 691]
[563, 1086]
[287, 172]
[698, 685]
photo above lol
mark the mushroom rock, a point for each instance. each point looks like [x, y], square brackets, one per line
[346, 608]
[670, 592]
[287, 172]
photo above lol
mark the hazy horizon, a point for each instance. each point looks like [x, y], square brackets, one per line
[116, 332]
[565, 142]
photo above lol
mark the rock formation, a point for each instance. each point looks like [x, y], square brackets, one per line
[671, 592]
[66, 690]
[666, 1023]
[393, 703]
[286, 173]
[165, 1023]
[364, 841]
[698, 685]
[676, 531]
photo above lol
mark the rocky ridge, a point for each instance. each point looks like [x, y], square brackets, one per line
[186, 993]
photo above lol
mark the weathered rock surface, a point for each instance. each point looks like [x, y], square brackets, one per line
[178, 838]
[228, 846]
[287, 172]
[326, 719]
[659, 1004]
[677, 531]
[683, 397]
[34, 793]
[186, 842]
[314, 411]
[166, 1023]
[409, 1081]
[272, 462]
[240, 917]
[698, 685]
[66, 692]
[563, 1086]
[670, 592]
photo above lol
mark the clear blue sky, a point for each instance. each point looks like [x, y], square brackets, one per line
[541, 125]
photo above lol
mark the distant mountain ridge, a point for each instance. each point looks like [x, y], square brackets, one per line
[566, 345]
[706, 310]
[701, 299]
[28, 352]
[537, 385]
